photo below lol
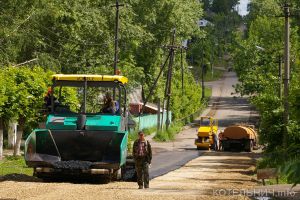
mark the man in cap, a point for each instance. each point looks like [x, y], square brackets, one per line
[142, 154]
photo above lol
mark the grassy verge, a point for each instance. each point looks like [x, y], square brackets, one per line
[281, 180]
[132, 136]
[176, 126]
[167, 135]
[216, 76]
[208, 92]
[264, 163]
[149, 131]
[11, 165]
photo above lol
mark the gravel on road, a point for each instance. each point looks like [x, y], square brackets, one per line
[209, 175]
[206, 177]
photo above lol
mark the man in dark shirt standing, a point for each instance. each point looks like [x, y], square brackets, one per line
[142, 155]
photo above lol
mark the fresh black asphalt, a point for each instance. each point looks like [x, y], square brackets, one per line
[167, 161]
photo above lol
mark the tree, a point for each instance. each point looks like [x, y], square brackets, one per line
[257, 69]
[27, 87]
[78, 36]
[223, 6]
[3, 100]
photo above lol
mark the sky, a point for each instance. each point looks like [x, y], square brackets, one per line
[242, 7]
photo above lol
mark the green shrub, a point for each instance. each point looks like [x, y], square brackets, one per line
[167, 135]
[149, 131]
[287, 161]
[292, 171]
[132, 136]
[216, 75]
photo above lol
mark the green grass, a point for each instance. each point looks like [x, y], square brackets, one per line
[132, 136]
[216, 76]
[149, 131]
[164, 135]
[168, 135]
[208, 92]
[281, 180]
[265, 163]
[176, 127]
[11, 165]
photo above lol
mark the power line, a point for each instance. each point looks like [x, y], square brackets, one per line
[24, 20]
[104, 44]
[74, 56]
[85, 43]
[286, 73]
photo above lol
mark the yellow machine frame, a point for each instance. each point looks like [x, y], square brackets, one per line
[89, 77]
[205, 133]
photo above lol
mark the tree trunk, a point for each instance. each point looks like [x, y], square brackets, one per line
[12, 136]
[19, 137]
[1, 139]
[18, 143]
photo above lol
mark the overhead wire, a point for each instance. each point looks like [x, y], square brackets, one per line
[62, 45]
[74, 56]
[85, 43]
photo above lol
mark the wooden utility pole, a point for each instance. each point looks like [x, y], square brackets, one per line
[202, 70]
[168, 86]
[182, 71]
[286, 72]
[169, 79]
[1, 139]
[158, 114]
[116, 59]
[280, 78]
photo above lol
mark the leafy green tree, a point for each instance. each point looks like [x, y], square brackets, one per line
[187, 101]
[256, 60]
[3, 100]
[24, 100]
[78, 36]
[27, 97]
[223, 6]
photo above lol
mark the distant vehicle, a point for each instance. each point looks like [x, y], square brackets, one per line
[239, 137]
[85, 141]
[208, 127]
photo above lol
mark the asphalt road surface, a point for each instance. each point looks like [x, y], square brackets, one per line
[165, 162]
[224, 106]
[181, 171]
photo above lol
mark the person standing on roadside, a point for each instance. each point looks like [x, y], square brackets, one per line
[216, 140]
[220, 140]
[142, 154]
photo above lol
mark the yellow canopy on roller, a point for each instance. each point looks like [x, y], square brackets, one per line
[89, 77]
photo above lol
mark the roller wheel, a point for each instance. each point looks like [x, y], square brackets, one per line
[249, 146]
[117, 175]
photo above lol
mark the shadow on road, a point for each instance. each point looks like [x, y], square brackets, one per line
[19, 178]
[56, 179]
[228, 166]
[221, 180]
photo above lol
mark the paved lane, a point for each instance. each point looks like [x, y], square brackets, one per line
[223, 105]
